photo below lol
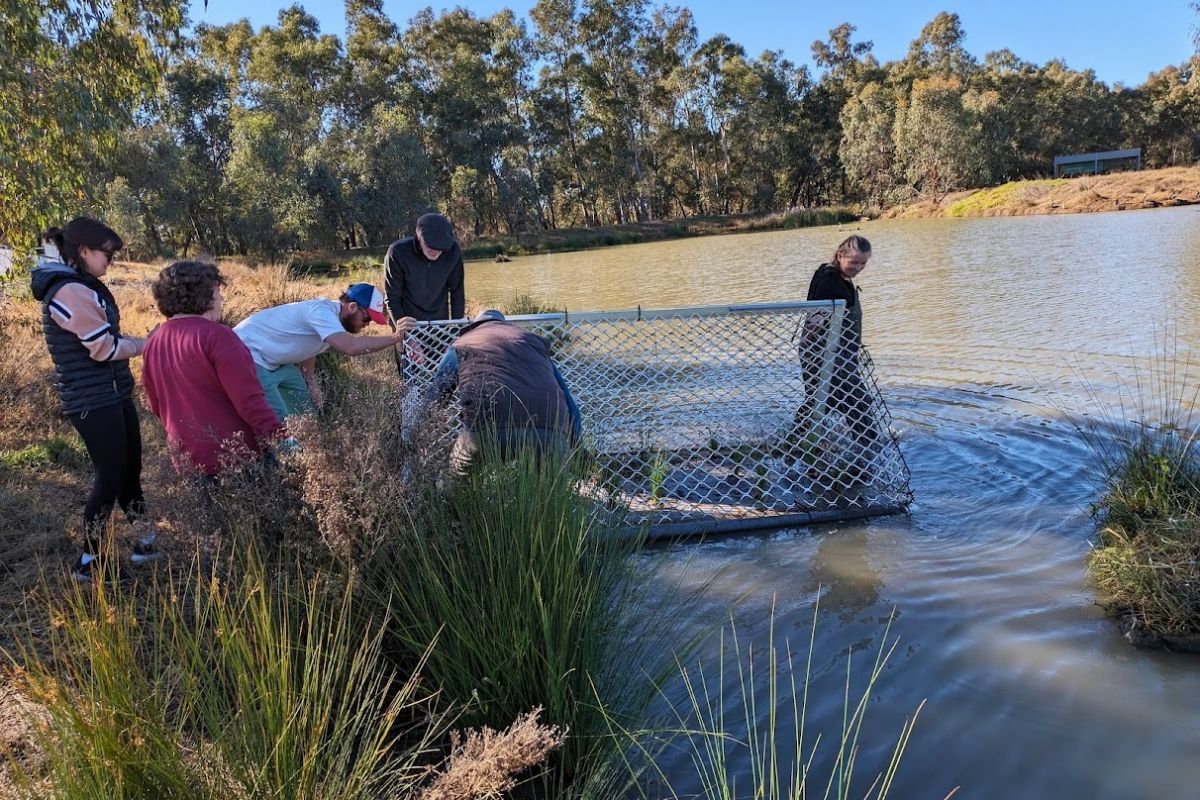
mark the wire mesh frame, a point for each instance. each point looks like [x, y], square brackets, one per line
[717, 417]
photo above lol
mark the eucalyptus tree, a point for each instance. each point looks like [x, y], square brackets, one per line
[719, 66]
[666, 50]
[525, 198]
[197, 110]
[819, 174]
[867, 149]
[462, 109]
[613, 79]
[72, 74]
[556, 117]
[1163, 115]
[283, 196]
[937, 138]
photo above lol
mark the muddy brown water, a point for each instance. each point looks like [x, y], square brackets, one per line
[988, 336]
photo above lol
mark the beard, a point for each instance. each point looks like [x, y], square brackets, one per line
[352, 322]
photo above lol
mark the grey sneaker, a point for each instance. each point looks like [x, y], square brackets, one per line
[144, 549]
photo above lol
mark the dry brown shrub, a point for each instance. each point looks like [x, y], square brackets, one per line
[29, 404]
[361, 471]
[252, 289]
[487, 763]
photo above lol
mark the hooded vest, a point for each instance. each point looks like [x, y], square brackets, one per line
[83, 384]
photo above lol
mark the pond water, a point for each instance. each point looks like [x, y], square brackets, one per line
[986, 333]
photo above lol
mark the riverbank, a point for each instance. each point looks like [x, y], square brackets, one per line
[570, 239]
[1122, 191]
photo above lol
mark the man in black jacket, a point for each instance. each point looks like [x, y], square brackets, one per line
[423, 274]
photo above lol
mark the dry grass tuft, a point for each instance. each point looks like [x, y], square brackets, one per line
[488, 763]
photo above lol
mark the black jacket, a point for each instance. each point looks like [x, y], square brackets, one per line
[506, 380]
[83, 384]
[423, 289]
[828, 283]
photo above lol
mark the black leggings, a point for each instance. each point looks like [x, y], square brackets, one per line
[114, 443]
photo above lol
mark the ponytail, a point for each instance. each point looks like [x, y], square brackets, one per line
[82, 232]
[852, 244]
[53, 238]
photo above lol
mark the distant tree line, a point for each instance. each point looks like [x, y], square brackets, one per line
[593, 112]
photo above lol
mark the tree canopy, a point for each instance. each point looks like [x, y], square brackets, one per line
[229, 139]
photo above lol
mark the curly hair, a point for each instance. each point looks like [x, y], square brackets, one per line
[186, 287]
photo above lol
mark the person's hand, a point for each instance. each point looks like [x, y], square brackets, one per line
[404, 325]
[317, 394]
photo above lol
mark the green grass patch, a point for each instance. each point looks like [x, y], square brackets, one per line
[59, 450]
[251, 683]
[1148, 559]
[998, 197]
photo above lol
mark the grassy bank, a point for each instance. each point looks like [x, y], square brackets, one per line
[346, 627]
[1151, 188]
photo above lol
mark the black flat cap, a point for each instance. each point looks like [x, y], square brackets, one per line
[436, 230]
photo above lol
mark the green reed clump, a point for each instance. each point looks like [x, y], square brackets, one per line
[529, 599]
[255, 683]
[766, 751]
[1147, 562]
[1148, 558]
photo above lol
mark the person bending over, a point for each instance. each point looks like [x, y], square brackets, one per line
[285, 341]
[508, 388]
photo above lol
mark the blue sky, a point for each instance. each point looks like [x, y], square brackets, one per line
[1122, 41]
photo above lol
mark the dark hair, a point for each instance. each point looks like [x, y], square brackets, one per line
[186, 287]
[82, 232]
[852, 244]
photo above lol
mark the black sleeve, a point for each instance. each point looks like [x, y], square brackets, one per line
[393, 283]
[458, 294]
[826, 285]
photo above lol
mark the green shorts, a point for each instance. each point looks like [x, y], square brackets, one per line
[286, 389]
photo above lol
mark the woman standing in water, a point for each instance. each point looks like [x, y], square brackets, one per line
[848, 393]
[91, 363]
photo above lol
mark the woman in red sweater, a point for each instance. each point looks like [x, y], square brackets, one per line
[199, 377]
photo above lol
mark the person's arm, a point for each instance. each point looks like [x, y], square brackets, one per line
[235, 370]
[393, 284]
[353, 345]
[445, 377]
[77, 309]
[325, 323]
[457, 288]
[308, 368]
[572, 407]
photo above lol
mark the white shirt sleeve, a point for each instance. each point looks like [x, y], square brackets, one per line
[324, 319]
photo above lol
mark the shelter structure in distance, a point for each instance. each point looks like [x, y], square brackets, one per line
[1095, 163]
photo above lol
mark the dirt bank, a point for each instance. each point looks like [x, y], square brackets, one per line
[1151, 188]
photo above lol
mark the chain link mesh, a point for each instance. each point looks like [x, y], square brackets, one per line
[730, 416]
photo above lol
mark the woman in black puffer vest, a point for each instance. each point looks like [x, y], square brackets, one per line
[91, 364]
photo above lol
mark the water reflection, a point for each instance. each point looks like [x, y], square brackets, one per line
[988, 335]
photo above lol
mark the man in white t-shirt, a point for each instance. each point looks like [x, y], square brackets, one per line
[286, 340]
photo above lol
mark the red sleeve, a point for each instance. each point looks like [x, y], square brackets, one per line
[235, 371]
[149, 380]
